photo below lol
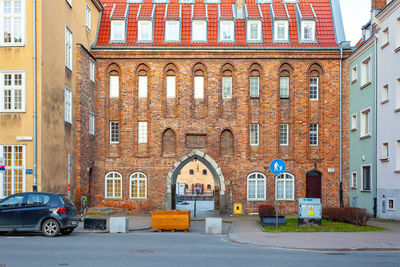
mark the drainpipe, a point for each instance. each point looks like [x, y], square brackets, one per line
[34, 189]
[341, 132]
[375, 153]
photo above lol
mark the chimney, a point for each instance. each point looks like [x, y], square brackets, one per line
[378, 4]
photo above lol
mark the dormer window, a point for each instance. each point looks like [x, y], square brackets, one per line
[226, 30]
[199, 31]
[254, 30]
[145, 30]
[117, 31]
[308, 31]
[172, 30]
[281, 31]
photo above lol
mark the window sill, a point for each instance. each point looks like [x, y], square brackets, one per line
[385, 45]
[353, 187]
[256, 200]
[113, 198]
[287, 200]
[397, 49]
[254, 97]
[9, 112]
[138, 198]
[284, 97]
[385, 101]
[366, 190]
[397, 171]
[397, 110]
[354, 81]
[364, 85]
[365, 137]
[384, 159]
[354, 129]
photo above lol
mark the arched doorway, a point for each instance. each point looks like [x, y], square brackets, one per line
[169, 200]
[313, 184]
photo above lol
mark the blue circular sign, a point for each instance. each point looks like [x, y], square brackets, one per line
[277, 166]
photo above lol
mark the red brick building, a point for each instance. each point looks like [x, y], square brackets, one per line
[234, 85]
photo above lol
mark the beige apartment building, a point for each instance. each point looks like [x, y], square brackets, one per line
[65, 30]
[195, 175]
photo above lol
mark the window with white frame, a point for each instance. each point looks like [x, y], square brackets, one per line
[365, 124]
[91, 69]
[281, 29]
[366, 71]
[254, 30]
[198, 87]
[199, 31]
[91, 123]
[172, 30]
[14, 175]
[67, 105]
[113, 185]
[226, 30]
[285, 187]
[398, 34]
[313, 134]
[254, 86]
[256, 186]
[390, 204]
[254, 134]
[117, 31]
[385, 93]
[145, 30]
[227, 87]
[114, 86]
[138, 185]
[385, 151]
[398, 95]
[284, 134]
[88, 17]
[142, 132]
[68, 48]
[284, 87]
[354, 122]
[366, 178]
[12, 22]
[354, 74]
[314, 88]
[354, 180]
[308, 31]
[142, 91]
[385, 37]
[114, 132]
[171, 86]
[12, 91]
[398, 155]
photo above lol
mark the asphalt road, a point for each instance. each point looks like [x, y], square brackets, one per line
[168, 249]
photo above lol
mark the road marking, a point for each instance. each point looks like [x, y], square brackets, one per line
[15, 237]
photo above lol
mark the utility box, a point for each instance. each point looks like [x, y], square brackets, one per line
[310, 212]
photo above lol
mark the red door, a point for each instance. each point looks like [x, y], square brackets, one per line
[313, 185]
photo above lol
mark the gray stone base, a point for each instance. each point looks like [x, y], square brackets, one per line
[310, 222]
[213, 226]
[119, 225]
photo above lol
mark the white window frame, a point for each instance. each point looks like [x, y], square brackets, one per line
[88, 17]
[118, 32]
[255, 93]
[114, 86]
[362, 178]
[114, 136]
[385, 151]
[12, 168]
[138, 177]
[142, 86]
[385, 37]
[354, 74]
[398, 35]
[142, 132]
[354, 122]
[254, 134]
[258, 178]
[171, 86]
[172, 30]
[12, 16]
[285, 178]
[91, 123]
[366, 71]
[226, 86]
[67, 105]
[363, 132]
[282, 89]
[286, 141]
[113, 176]
[277, 25]
[397, 107]
[199, 30]
[68, 48]
[145, 27]
[314, 132]
[251, 38]
[354, 180]
[304, 24]
[92, 67]
[226, 25]
[393, 207]
[397, 156]
[12, 90]
[314, 89]
[385, 94]
[198, 87]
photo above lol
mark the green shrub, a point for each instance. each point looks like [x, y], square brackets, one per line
[356, 216]
[266, 210]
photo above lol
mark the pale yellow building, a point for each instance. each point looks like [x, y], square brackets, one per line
[196, 175]
[63, 28]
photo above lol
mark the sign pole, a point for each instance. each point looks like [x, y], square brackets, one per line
[276, 201]
[277, 167]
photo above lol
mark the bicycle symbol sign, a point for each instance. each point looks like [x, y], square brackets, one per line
[277, 166]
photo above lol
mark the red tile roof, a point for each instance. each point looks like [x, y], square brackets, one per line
[325, 34]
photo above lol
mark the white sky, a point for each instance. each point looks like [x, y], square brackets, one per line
[356, 13]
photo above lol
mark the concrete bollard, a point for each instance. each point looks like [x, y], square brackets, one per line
[213, 226]
[119, 225]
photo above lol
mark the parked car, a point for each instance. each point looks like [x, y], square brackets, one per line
[48, 213]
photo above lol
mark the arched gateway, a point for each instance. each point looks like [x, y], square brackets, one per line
[221, 200]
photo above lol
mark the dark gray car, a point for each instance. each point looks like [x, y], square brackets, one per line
[48, 213]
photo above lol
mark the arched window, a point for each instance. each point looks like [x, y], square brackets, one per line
[256, 186]
[142, 84]
[285, 187]
[199, 84]
[168, 143]
[113, 185]
[113, 71]
[227, 84]
[315, 72]
[255, 84]
[227, 143]
[171, 84]
[138, 185]
[285, 71]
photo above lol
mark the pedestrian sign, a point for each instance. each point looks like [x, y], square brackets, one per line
[277, 166]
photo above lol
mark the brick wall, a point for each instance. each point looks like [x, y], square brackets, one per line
[204, 121]
[378, 4]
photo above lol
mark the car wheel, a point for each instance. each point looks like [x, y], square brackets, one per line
[50, 228]
[67, 231]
